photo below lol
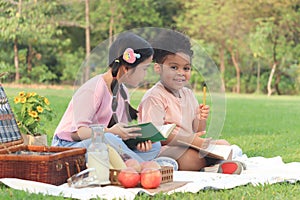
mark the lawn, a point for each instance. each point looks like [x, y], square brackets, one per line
[260, 125]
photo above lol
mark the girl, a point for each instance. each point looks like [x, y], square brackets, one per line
[104, 100]
[169, 101]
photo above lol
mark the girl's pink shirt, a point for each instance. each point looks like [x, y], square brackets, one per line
[161, 107]
[91, 104]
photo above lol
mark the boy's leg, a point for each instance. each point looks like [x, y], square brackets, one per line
[188, 159]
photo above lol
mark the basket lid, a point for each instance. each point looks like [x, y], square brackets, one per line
[9, 130]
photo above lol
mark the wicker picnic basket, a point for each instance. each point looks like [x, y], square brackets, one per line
[166, 173]
[53, 165]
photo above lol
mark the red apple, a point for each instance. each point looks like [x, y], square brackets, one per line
[134, 164]
[129, 177]
[150, 165]
[150, 178]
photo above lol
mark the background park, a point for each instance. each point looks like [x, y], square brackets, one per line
[255, 45]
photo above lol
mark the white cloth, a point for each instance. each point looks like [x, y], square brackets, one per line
[259, 171]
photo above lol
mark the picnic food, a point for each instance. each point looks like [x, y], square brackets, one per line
[129, 177]
[116, 162]
[150, 164]
[150, 178]
[134, 164]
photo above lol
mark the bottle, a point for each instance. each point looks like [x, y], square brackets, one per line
[98, 154]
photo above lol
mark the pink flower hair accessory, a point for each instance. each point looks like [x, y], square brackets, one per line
[129, 56]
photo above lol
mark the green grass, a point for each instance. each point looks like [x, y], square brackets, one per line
[262, 126]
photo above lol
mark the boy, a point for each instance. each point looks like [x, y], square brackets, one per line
[169, 101]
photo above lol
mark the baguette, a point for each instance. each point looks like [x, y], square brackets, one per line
[115, 160]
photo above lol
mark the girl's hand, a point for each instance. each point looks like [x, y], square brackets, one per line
[144, 146]
[202, 112]
[125, 133]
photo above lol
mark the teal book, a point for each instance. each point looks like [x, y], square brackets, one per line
[150, 132]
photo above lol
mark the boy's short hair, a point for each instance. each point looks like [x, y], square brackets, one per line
[170, 42]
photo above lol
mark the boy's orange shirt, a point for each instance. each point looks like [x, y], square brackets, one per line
[161, 107]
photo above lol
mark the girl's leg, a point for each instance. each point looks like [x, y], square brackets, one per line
[63, 143]
[151, 154]
[118, 144]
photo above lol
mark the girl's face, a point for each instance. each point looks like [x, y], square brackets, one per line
[175, 72]
[135, 75]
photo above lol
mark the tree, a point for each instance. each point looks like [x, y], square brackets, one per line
[26, 23]
[279, 32]
[223, 23]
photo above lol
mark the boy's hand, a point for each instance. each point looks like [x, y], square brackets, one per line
[200, 133]
[203, 112]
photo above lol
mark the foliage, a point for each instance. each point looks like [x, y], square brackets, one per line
[32, 112]
[268, 29]
[51, 36]
[71, 63]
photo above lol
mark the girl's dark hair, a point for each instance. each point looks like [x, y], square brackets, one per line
[170, 42]
[115, 60]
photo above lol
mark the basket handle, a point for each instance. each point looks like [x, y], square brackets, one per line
[68, 169]
[77, 166]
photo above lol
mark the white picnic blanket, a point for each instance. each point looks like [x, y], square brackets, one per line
[259, 171]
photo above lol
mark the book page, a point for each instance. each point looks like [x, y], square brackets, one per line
[166, 129]
[222, 152]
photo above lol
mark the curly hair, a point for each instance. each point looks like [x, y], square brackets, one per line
[170, 42]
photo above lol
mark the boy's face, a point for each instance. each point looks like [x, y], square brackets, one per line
[175, 72]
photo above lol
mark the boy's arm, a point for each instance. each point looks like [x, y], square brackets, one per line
[190, 138]
[199, 123]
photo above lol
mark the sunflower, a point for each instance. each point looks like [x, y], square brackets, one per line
[40, 109]
[23, 100]
[22, 94]
[33, 114]
[46, 101]
[17, 100]
[38, 119]
[31, 111]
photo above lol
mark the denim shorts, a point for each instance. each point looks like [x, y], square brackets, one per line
[116, 142]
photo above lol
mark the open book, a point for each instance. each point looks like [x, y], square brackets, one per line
[150, 132]
[221, 152]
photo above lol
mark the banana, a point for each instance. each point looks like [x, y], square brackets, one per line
[116, 162]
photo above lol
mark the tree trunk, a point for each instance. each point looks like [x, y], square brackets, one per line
[222, 67]
[16, 53]
[277, 81]
[258, 78]
[270, 79]
[87, 39]
[237, 69]
[278, 77]
[111, 22]
[29, 58]
[16, 60]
